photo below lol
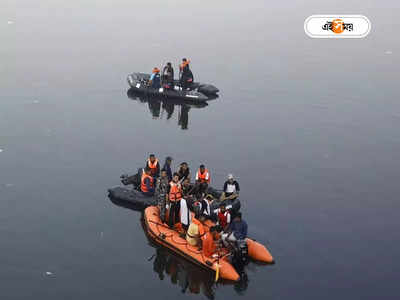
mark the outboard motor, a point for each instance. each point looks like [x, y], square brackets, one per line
[240, 256]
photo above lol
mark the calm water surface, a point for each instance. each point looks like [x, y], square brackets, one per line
[309, 127]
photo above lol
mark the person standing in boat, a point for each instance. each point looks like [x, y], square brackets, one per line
[161, 192]
[147, 183]
[167, 167]
[175, 196]
[155, 78]
[186, 75]
[168, 76]
[203, 179]
[154, 166]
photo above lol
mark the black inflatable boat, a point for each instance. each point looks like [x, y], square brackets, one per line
[198, 92]
[132, 196]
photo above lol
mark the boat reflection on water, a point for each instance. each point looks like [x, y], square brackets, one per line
[161, 107]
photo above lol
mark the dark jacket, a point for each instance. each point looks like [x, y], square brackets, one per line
[168, 74]
[239, 229]
[167, 168]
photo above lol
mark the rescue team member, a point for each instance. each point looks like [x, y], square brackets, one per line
[168, 76]
[154, 166]
[237, 230]
[186, 75]
[174, 197]
[231, 189]
[196, 231]
[202, 180]
[167, 167]
[223, 217]
[161, 192]
[208, 241]
[147, 183]
[155, 79]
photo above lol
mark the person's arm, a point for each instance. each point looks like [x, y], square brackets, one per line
[225, 186]
[197, 176]
[158, 169]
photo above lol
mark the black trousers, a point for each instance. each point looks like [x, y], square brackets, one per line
[174, 211]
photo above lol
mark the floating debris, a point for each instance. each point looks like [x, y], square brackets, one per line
[388, 52]
[49, 273]
[36, 101]
[10, 22]
[1, 150]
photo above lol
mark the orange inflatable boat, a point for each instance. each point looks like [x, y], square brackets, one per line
[218, 263]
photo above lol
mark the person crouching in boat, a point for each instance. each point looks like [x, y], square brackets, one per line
[154, 166]
[155, 79]
[237, 230]
[178, 210]
[168, 76]
[161, 192]
[208, 241]
[147, 183]
[231, 189]
[203, 179]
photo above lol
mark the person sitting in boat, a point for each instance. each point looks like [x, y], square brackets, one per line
[223, 217]
[186, 75]
[203, 179]
[184, 171]
[168, 76]
[205, 205]
[237, 230]
[161, 192]
[174, 197]
[231, 189]
[155, 79]
[195, 231]
[167, 167]
[154, 166]
[208, 241]
[147, 183]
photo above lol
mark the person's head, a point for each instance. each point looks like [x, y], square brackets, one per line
[209, 198]
[222, 207]
[152, 157]
[202, 218]
[147, 170]
[184, 60]
[156, 70]
[202, 168]
[186, 181]
[175, 177]
[230, 178]
[168, 160]
[238, 217]
[169, 64]
[184, 166]
[163, 173]
[214, 230]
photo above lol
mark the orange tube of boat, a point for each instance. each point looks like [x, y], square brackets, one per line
[227, 271]
[258, 251]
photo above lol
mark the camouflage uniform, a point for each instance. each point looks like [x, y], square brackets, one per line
[162, 187]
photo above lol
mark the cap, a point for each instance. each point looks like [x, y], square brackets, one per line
[230, 176]
[169, 158]
[202, 166]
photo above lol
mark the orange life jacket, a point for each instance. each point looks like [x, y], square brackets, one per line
[143, 186]
[202, 177]
[152, 166]
[200, 225]
[175, 192]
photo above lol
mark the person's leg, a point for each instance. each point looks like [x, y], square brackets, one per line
[171, 218]
[177, 212]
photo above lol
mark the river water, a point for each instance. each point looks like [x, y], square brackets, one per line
[309, 127]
